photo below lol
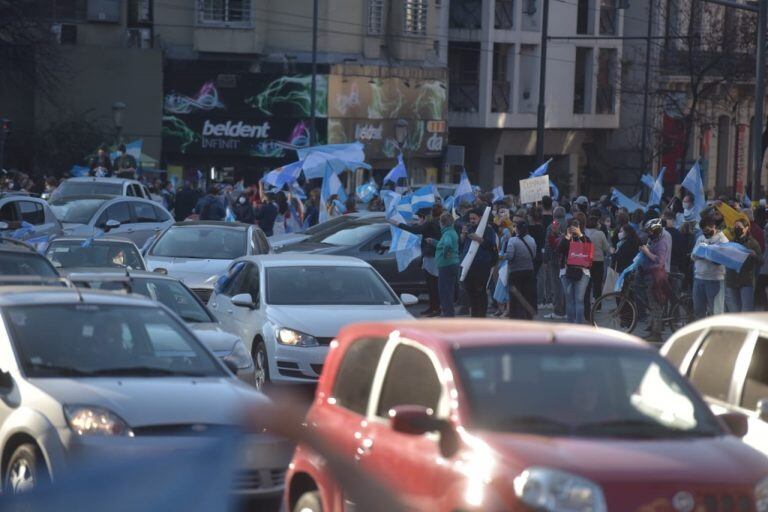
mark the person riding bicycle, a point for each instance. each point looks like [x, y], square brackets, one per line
[655, 275]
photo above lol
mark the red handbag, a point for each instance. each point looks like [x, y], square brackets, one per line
[580, 254]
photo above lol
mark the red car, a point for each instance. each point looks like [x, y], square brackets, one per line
[489, 415]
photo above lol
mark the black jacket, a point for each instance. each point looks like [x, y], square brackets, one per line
[244, 213]
[429, 229]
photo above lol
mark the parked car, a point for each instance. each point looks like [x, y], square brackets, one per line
[369, 239]
[329, 226]
[70, 253]
[125, 376]
[726, 359]
[198, 252]
[175, 295]
[90, 186]
[495, 416]
[18, 258]
[27, 218]
[288, 308]
[123, 217]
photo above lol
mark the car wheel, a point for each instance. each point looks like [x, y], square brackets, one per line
[309, 502]
[26, 470]
[261, 361]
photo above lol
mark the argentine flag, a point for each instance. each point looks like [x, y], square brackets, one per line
[693, 184]
[464, 191]
[398, 172]
[391, 201]
[636, 262]
[230, 215]
[541, 170]
[331, 186]
[625, 202]
[658, 189]
[647, 180]
[406, 246]
[423, 198]
[730, 254]
[285, 175]
[404, 208]
[367, 191]
[554, 190]
[498, 193]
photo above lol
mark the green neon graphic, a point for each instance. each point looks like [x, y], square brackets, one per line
[175, 127]
[381, 107]
[292, 90]
[432, 97]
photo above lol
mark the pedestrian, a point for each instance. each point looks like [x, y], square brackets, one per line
[655, 275]
[755, 229]
[169, 196]
[555, 232]
[521, 255]
[210, 206]
[447, 261]
[708, 277]
[574, 275]
[186, 200]
[312, 209]
[243, 210]
[538, 232]
[101, 165]
[740, 286]
[602, 250]
[427, 226]
[626, 249]
[476, 279]
[266, 214]
[125, 163]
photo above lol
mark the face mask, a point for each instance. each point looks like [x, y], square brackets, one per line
[241, 200]
[622, 235]
[687, 206]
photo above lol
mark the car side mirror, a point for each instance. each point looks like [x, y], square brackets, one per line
[231, 365]
[416, 420]
[244, 300]
[6, 381]
[736, 423]
[111, 224]
[762, 409]
[409, 300]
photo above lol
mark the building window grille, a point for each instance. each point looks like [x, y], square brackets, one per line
[415, 17]
[224, 12]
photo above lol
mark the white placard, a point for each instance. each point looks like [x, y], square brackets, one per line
[533, 189]
[474, 246]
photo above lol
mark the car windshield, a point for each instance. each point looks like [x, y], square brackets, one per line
[76, 211]
[105, 340]
[315, 286]
[204, 242]
[25, 264]
[96, 253]
[168, 292]
[580, 391]
[351, 234]
[86, 188]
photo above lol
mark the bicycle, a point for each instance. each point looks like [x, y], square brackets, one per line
[620, 311]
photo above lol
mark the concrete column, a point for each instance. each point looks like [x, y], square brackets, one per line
[486, 59]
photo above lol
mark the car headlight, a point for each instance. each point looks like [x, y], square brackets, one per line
[295, 338]
[240, 356]
[761, 496]
[86, 420]
[553, 490]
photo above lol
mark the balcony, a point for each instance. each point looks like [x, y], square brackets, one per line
[464, 97]
[466, 14]
[500, 94]
[504, 14]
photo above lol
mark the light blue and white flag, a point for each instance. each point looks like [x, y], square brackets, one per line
[78, 171]
[332, 185]
[498, 193]
[398, 172]
[693, 184]
[541, 170]
[297, 192]
[626, 202]
[647, 180]
[391, 201]
[25, 229]
[293, 223]
[367, 191]
[340, 157]
[730, 254]
[422, 198]
[554, 190]
[464, 192]
[404, 207]
[658, 189]
[639, 259]
[230, 215]
[406, 246]
[448, 203]
[285, 175]
[97, 233]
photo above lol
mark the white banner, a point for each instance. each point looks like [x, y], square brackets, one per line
[472, 251]
[533, 189]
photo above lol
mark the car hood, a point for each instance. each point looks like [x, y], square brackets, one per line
[326, 321]
[276, 241]
[72, 229]
[723, 460]
[192, 271]
[214, 337]
[147, 401]
[312, 248]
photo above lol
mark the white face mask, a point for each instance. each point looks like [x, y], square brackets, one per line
[687, 206]
[622, 235]
[241, 200]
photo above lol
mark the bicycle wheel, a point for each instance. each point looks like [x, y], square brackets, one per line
[680, 313]
[615, 311]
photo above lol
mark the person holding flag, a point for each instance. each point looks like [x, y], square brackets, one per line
[480, 271]
[708, 276]
[740, 285]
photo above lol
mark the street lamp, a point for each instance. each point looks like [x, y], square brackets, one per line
[118, 109]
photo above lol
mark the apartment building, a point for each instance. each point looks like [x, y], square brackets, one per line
[493, 59]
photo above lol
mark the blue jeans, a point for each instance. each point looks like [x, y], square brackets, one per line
[446, 285]
[740, 300]
[574, 298]
[708, 298]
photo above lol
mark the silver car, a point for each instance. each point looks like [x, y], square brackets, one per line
[124, 217]
[100, 186]
[70, 253]
[27, 218]
[90, 375]
[198, 252]
[178, 298]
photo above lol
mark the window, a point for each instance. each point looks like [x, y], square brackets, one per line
[528, 90]
[608, 17]
[250, 283]
[229, 12]
[231, 282]
[410, 380]
[530, 18]
[375, 17]
[260, 243]
[582, 92]
[135, 190]
[504, 14]
[415, 17]
[680, 347]
[464, 71]
[501, 100]
[120, 212]
[32, 212]
[355, 376]
[712, 369]
[8, 213]
[68, 10]
[161, 214]
[139, 11]
[145, 213]
[756, 385]
[606, 81]
[583, 17]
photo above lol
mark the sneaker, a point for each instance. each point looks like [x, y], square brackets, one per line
[553, 316]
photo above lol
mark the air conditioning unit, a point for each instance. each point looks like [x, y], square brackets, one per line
[104, 11]
[64, 33]
[139, 38]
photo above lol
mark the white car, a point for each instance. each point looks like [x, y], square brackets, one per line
[288, 308]
[726, 359]
[87, 185]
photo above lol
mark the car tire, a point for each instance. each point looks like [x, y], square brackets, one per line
[261, 363]
[26, 470]
[309, 502]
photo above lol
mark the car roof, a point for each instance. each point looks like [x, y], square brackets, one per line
[13, 245]
[79, 197]
[84, 179]
[463, 333]
[43, 295]
[743, 321]
[219, 223]
[113, 273]
[304, 260]
[100, 240]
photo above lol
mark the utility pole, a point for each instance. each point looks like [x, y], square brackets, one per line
[313, 99]
[757, 128]
[542, 85]
[644, 136]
